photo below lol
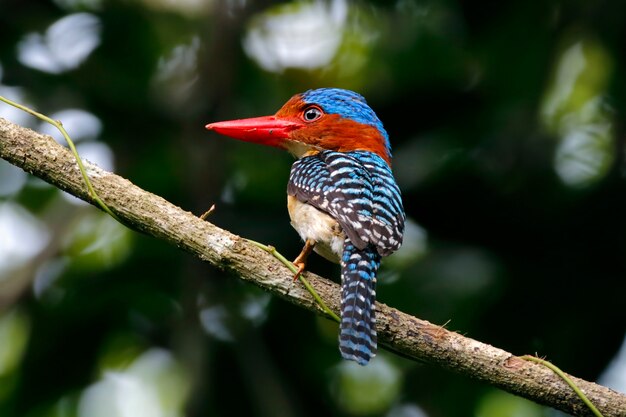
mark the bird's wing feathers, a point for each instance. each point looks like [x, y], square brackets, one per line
[358, 190]
[389, 216]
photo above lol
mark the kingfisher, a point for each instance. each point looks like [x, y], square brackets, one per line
[342, 197]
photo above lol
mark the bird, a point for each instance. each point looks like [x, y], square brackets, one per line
[342, 197]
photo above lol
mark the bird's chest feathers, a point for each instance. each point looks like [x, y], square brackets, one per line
[314, 224]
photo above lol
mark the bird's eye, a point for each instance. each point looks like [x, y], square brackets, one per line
[312, 113]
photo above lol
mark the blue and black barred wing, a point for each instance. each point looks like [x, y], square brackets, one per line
[388, 211]
[358, 190]
[338, 185]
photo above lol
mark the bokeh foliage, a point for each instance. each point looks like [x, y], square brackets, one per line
[506, 123]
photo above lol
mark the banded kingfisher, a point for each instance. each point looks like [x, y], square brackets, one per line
[342, 197]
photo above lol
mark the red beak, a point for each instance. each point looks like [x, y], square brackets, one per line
[266, 130]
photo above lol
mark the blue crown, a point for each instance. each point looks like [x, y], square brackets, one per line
[347, 104]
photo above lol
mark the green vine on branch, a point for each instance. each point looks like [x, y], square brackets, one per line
[70, 143]
[565, 378]
[293, 269]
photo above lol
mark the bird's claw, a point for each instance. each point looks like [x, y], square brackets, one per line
[300, 266]
[300, 261]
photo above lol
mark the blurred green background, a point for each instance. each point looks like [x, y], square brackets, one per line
[506, 120]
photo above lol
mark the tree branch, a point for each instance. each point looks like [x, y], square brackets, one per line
[399, 332]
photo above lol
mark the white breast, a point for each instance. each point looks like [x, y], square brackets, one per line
[311, 223]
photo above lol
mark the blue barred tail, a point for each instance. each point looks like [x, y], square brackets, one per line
[357, 336]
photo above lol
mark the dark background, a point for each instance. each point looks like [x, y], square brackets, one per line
[506, 121]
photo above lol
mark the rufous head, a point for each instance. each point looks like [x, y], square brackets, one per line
[322, 119]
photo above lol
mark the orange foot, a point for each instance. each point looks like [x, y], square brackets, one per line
[300, 261]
